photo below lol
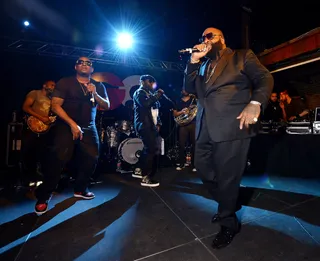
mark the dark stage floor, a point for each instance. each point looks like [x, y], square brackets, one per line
[280, 216]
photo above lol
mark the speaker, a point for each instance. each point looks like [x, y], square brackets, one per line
[14, 138]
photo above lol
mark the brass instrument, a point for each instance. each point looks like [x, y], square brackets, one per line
[187, 117]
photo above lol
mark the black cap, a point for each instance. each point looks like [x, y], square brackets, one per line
[147, 77]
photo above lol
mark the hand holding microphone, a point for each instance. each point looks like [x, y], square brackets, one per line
[203, 49]
[91, 88]
[160, 92]
[198, 51]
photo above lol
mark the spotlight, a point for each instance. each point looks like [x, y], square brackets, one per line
[125, 41]
[26, 23]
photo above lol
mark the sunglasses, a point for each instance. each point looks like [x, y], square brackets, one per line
[208, 36]
[82, 62]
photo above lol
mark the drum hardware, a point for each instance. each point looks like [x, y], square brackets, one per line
[112, 137]
[121, 170]
[124, 127]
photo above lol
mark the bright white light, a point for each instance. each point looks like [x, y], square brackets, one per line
[125, 41]
[26, 23]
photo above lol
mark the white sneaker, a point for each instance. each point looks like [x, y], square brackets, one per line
[137, 173]
[180, 167]
[148, 182]
[194, 170]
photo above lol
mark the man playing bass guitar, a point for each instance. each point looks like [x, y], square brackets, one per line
[37, 106]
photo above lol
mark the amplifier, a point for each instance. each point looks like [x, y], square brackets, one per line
[14, 137]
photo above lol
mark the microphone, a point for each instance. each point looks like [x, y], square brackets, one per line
[188, 50]
[92, 100]
[167, 98]
[92, 97]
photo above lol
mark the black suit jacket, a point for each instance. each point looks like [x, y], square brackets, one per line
[239, 78]
[143, 101]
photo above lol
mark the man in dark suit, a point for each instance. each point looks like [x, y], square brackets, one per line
[231, 87]
[147, 125]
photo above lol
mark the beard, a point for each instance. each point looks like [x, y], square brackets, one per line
[215, 49]
[84, 74]
[48, 91]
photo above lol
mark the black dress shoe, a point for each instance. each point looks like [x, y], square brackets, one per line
[216, 218]
[223, 238]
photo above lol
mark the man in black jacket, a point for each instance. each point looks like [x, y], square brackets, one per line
[231, 87]
[147, 124]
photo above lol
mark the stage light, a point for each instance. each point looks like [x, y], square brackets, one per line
[125, 41]
[26, 23]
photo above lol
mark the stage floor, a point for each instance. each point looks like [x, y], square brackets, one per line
[280, 217]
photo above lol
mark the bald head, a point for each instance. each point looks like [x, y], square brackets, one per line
[214, 38]
[214, 31]
[213, 35]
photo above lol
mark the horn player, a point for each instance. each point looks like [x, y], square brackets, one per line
[186, 132]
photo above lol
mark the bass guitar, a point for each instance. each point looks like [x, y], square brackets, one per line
[37, 126]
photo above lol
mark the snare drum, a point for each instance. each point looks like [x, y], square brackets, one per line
[130, 149]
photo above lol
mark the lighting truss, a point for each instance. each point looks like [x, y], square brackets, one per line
[65, 51]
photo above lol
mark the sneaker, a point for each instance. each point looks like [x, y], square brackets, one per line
[180, 167]
[84, 195]
[194, 170]
[148, 182]
[41, 207]
[137, 173]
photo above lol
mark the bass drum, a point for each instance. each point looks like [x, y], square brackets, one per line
[130, 149]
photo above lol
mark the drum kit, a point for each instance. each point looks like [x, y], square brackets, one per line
[122, 145]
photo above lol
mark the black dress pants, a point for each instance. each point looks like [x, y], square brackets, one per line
[221, 165]
[187, 133]
[60, 151]
[148, 158]
[33, 152]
